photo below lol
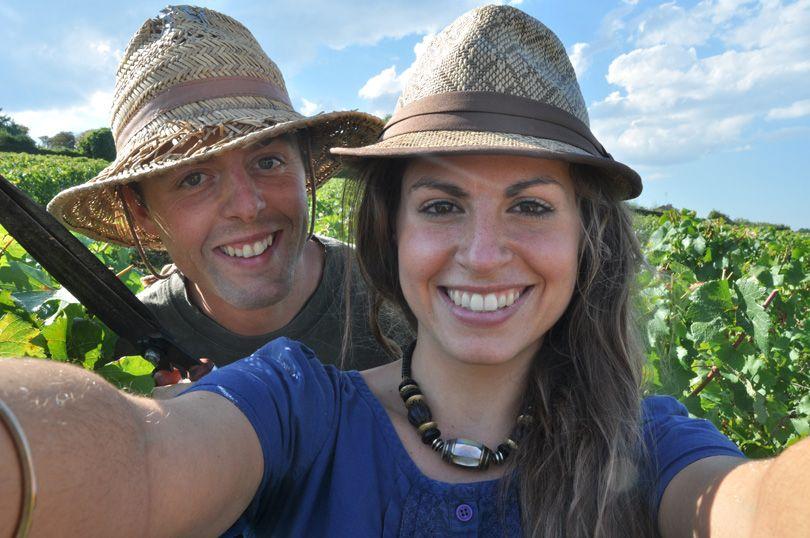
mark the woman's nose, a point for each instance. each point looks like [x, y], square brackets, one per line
[484, 246]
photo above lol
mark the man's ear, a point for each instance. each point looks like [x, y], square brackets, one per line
[138, 209]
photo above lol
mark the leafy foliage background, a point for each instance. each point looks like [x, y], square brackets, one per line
[723, 309]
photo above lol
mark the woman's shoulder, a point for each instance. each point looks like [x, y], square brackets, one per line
[669, 429]
[674, 439]
[282, 384]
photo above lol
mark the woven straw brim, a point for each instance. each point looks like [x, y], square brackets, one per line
[625, 182]
[95, 209]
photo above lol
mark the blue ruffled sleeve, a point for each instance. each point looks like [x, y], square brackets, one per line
[290, 400]
[675, 440]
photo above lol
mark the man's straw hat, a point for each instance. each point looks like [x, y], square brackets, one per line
[194, 83]
[495, 81]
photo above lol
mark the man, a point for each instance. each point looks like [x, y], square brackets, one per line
[215, 166]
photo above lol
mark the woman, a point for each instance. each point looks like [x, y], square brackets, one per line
[491, 215]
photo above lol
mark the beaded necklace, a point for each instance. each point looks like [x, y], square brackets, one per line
[460, 452]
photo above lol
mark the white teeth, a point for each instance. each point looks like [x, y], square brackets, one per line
[490, 302]
[248, 251]
[483, 303]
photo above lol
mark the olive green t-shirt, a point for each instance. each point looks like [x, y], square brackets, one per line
[319, 324]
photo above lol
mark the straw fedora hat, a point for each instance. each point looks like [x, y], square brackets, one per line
[495, 81]
[194, 83]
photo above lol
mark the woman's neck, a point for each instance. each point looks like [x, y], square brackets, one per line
[474, 401]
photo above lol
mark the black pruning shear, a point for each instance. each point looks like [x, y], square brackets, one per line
[89, 280]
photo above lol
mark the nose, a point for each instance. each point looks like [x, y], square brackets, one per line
[244, 200]
[483, 248]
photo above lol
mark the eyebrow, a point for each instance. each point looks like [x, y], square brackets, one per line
[431, 183]
[517, 188]
[457, 192]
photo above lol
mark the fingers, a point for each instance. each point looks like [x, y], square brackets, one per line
[195, 373]
[170, 383]
[167, 377]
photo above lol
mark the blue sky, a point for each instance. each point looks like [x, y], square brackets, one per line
[708, 100]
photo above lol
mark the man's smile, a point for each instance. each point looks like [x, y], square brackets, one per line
[247, 249]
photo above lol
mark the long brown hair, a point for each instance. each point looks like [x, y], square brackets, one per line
[578, 470]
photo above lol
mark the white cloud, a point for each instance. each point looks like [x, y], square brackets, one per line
[796, 110]
[579, 58]
[308, 108]
[91, 114]
[388, 82]
[672, 24]
[681, 96]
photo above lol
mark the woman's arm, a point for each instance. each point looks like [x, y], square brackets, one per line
[111, 464]
[728, 497]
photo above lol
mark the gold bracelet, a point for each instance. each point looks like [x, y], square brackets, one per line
[26, 466]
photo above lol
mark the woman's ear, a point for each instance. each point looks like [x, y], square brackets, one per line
[138, 209]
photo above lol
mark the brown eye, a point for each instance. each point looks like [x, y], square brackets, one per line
[440, 207]
[530, 207]
[192, 180]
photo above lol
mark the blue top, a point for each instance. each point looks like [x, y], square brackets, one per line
[334, 465]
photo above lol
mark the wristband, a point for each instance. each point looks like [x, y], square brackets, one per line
[29, 490]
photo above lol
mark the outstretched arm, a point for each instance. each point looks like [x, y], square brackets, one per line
[111, 464]
[728, 497]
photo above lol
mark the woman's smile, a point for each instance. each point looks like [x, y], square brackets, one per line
[483, 308]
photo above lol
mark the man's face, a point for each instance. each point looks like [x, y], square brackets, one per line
[235, 224]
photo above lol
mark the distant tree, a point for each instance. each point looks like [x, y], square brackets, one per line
[21, 143]
[97, 143]
[63, 139]
[11, 127]
[14, 137]
[714, 214]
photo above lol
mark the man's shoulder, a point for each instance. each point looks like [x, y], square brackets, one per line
[333, 246]
[160, 293]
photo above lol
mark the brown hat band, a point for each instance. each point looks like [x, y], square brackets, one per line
[493, 112]
[199, 90]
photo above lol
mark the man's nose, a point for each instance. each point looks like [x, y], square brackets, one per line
[483, 246]
[244, 199]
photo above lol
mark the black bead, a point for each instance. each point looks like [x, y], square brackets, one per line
[418, 414]
[430, 435]
[407, 393]
[504, 449]
[407, 381]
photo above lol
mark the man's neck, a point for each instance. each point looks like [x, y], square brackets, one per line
[272, 318]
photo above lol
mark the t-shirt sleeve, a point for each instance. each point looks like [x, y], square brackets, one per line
[674, 440]
[290, 400]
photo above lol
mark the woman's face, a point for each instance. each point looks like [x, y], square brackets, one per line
[488, 249]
